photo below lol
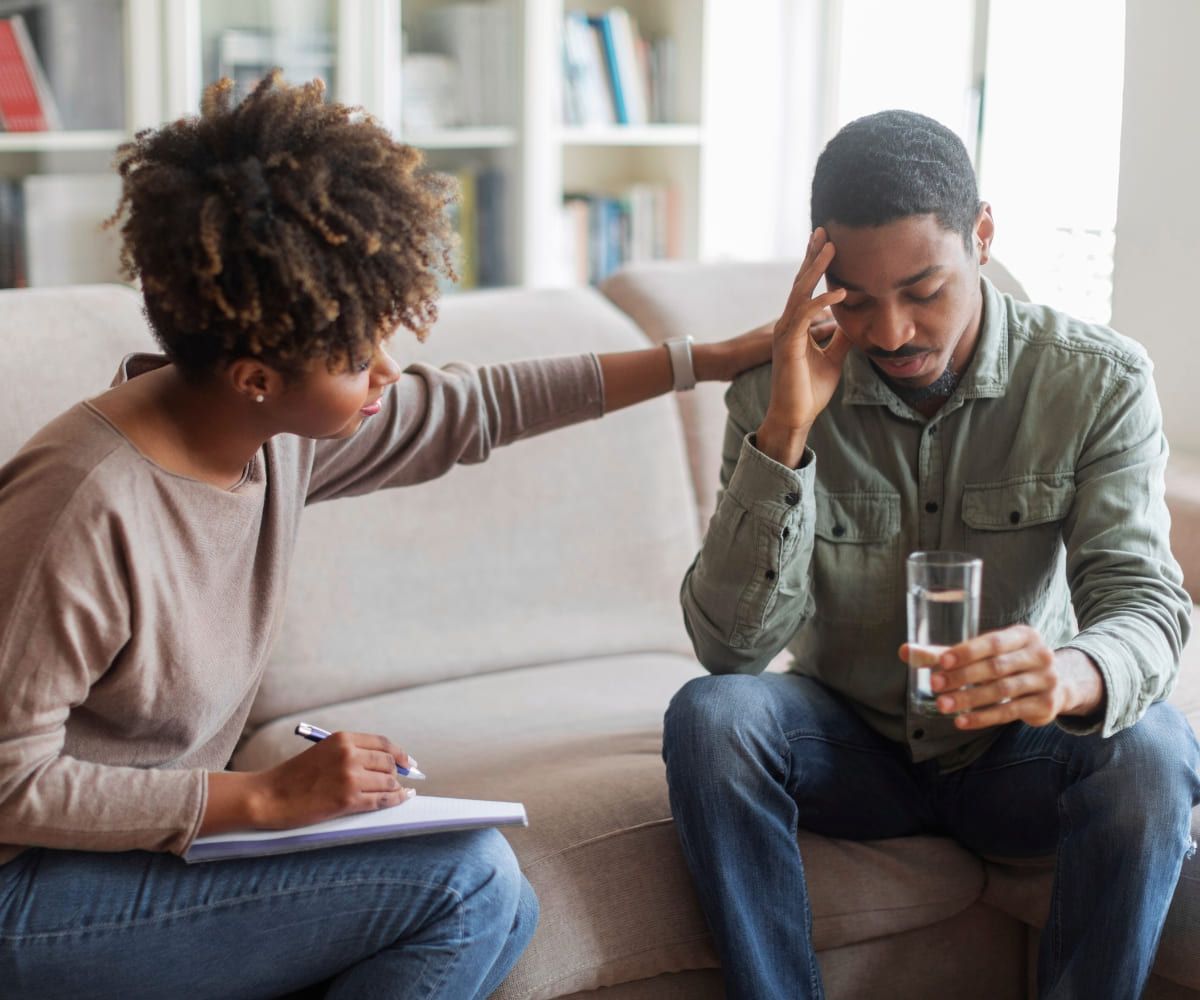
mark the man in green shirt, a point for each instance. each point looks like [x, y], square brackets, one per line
[940, 415]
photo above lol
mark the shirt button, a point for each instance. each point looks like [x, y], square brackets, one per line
[931, 508]
[1015, 517]
[792, 499]
[786, 532]
[838, 531]
[770, 574]
[918, 734]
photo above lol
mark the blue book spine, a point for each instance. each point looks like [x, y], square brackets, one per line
[604, 23]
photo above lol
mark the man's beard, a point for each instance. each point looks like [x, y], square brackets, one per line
[940, 388]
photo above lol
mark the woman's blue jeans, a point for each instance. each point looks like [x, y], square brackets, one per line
[750, 760]
[444, 916]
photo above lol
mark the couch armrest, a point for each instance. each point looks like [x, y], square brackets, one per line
[1183, 501]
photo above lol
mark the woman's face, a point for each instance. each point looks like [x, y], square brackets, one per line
[325, 404]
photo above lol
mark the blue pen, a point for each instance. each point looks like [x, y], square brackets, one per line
[316, 734]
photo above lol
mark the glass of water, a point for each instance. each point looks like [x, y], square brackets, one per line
[943, 610]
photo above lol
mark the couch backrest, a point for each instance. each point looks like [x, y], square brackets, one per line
[564, 546]
[58, 346]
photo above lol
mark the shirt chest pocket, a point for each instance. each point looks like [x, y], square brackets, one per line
[1016, 529]
[856, 557]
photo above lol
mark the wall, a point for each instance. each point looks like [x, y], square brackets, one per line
[1158, 213]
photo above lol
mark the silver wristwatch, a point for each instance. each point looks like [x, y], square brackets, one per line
[680, 351]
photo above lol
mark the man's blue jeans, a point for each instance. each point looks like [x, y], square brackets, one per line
[442, 916]
[750, 760]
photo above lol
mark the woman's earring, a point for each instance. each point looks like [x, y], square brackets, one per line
[259, 398]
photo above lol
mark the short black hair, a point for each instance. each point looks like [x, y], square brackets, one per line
[891, 165]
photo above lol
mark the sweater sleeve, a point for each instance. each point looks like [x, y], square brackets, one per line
[64, 616]
[434, 418]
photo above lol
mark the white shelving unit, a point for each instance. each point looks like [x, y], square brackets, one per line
[169, 57]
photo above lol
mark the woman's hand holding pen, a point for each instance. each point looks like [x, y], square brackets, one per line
[346, 773]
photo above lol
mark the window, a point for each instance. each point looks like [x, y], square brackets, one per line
[1034, 89]
[1051, 143]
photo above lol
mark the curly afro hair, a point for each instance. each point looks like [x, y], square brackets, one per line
[281, 228]
[891, 165]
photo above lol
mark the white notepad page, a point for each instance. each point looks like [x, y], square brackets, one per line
[420, 814]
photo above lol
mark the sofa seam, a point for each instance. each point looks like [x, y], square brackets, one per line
[598, 839]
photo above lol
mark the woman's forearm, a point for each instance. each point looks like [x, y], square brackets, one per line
[633, 376]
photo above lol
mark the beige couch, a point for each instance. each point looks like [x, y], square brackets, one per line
[516, 626]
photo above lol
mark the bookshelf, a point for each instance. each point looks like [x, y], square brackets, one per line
[509, 135]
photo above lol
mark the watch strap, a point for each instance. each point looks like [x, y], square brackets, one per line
[679, 349]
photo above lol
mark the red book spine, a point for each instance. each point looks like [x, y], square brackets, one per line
[21, 108]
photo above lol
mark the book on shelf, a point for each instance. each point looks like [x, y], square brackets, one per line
[26, 102]
[479, 36]
[462, 217]
[478, 216]
[13, 273]
[622, 42]
[82, 48]
[587, 90]
[612, 74]
[603, 231]
[603, 26]
[246, 55]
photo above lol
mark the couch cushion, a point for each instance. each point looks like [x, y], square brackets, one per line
[566, 545]
[580, 745]
[58, 346]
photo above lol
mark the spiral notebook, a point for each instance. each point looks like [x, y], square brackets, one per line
[420, 814]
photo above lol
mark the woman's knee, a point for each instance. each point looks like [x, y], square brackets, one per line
[495, 870]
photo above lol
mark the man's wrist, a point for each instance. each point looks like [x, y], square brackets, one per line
[782, 444]
[1084, 684]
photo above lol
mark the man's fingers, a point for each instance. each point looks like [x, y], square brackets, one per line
[1010, 688]
[836, 350]
[810, 274]
[1036, 710]
[990, 644]
[1034, 657]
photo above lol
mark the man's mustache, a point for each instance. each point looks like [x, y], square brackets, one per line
[897, 355]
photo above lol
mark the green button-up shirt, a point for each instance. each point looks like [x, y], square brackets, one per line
[1047, 462]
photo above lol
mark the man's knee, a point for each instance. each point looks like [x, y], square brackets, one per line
[716, 708]
[715, 725]
[1150, 770]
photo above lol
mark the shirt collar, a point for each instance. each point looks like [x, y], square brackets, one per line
[986, 376]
